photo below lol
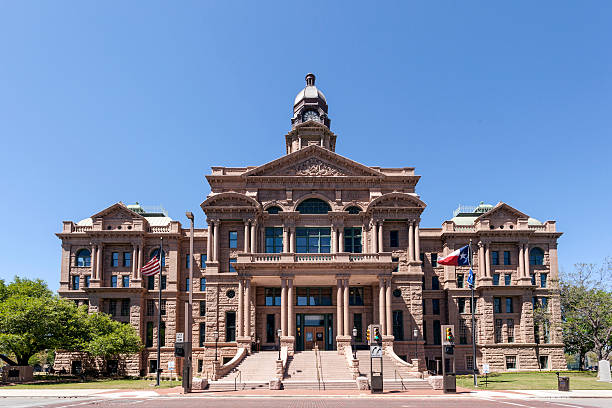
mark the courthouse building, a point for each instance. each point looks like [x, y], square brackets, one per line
[315, 245]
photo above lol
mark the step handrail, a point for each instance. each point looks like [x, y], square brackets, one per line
[239, 374]
[401, 378]
[316, 350]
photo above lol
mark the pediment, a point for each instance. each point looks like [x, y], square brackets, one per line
[230, 199]
[117, 212]
[313, 161]
[396, 200]
[502, 213]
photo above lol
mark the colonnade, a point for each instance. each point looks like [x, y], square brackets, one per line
[484, 259]
[97, 255]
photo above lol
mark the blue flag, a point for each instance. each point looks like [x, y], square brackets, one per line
[470, 279]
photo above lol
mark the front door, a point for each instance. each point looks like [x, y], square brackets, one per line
[314, 335]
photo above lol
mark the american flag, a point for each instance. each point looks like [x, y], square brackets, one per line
[151, 268]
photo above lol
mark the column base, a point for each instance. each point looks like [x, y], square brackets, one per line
[289, 342]
[342, 342]
[388, 340]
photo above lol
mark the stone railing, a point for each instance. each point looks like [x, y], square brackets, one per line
[537, 227]
[83, 228]
[159, 229]
[288, 258]
[225, 369]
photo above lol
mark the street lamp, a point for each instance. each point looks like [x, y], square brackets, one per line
[279, 333]
[415, 335]
[188, 368]
[354, 341]
[216, 336]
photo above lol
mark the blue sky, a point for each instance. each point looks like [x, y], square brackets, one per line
[134, 101]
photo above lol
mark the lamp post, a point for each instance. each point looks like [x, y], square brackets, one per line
[279, 332]
[216, 336]
[187, 370]
[415, 335]
[354, 341]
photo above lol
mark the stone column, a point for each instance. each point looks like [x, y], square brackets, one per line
[292, 240]
[334, 238]
[94, 261]
[364, 238]
[411, 241]
[527, 266]
[487, 261]
[339, 325]
[99, 271]
[247, 308]
[283, 307]
[253, 237]
[374, 235]
[481, 267]
[417, 243]
[521, 261]
[341, 239]
[285, 239]
[134, 255]
[247, 245]
[216, 241]
[345, 301]
[381, 304]
[140, 256]
[389, 315]
[209, 240]
[380, 237]
[240, 323]
[290, 314]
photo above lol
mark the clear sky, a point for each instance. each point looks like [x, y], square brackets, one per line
[113, 101]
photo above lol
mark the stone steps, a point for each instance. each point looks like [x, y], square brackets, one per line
[227, 385]
[258, 367]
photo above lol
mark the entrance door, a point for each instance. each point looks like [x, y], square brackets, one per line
[314, 335]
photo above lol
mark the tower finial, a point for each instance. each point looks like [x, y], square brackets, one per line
[310, 79]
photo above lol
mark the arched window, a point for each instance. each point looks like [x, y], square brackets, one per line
[156, 253]
[313, 206]
[536, 256]
[353, 210]
[274, 209]
[83, 258]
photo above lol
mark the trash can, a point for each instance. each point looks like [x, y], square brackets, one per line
[563, 383]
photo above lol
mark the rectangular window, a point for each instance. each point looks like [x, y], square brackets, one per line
[398, 325]
[270, 329]
[274, 240]
[423, 306]
[202, 284]
[202, 337]
[187, 283]
[435, 283]
[203, 259]
[434, 260]
[507, 258]
[510, 362]
[152, 363]
[355, 296]
[437, 335]
[163, 282]
[394, 239]
[230, 326]
[232, 261]
[460, 280]
[461, 305]
[314, 296]
[425, 332]
[544, 303]
[149, 339]
[509, 308]
[495, 257]
[358, 324]
[352, 240]
[125, 281]
[435, 306]
[75, 282]
[150, 282]
[163, 307]
[187, 261]
[422, 257]
[313, 240]
[127, 259]
[498, 330]
[87, 281]
[273, 296]
[125, 307]
[507, 279]
[473, 304]
[233, 239]
[113, 281]
[115, 259]
[150, 307]
[469, 363]
[496, 305]
[112, 307]
[162, 334]
[496, 279]
[202, 308]
[543, 278]
[533, 280]
[510, 330]
[200, 365]
[462, 332]
[396, 261]
[543, 362]
[546, 332]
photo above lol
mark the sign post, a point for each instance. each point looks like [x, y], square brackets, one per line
[485, 370]
[376, 353]
[171, 368]
[449, 381]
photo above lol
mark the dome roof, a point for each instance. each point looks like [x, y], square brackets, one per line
[310, 92]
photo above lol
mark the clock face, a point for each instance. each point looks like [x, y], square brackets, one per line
[310, 115]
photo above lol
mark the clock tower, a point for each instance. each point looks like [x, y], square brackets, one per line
[310, 123]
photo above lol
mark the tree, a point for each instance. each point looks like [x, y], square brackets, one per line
[110, 338]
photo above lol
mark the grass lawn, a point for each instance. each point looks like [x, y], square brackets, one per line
[105, 383]
[545, 380]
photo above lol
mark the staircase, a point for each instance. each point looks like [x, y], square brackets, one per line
[301, 371]
[395, 375]
[254, 372]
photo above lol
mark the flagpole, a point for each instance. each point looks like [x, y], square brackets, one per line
[473, 317]
[161, 249]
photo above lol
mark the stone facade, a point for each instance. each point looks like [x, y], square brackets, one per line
[310, 246]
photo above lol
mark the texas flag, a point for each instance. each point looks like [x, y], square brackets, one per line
[459, 257]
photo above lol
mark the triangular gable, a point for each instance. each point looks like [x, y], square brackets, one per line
[502, 210]
[118, 210]
[313, 161]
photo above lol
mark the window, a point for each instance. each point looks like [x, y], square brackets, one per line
[270, 328]
[87, 281]
[543, 278]
[435, 306]
[353, 210]
[112, 307]
[510, 362]
[75, 282]
[460, 283]
[461, 305]
[397, 293]
[437, 335]
[163, 307]
[155, 253]
[83, 258]
[273, 296]
[274, 240]
[355, 296]
[510, 330]
[394, 239]
[507, 279]
[422, 257]
[313, 240]
[202, 308]
[435, 283]
[546, 332]
[509, 308]
[313, 206]
[423, 306]
[200, 365]
[150, 282]
[115, 259]
[230, 326]
[150, 307]
[507, 258]
[314, 296]
[434, 260]
[358, 324]
[543, 362]
[152, 363]
[233, 239]
[473, 304]
[125, 281]
[496, 279]
[396, 261]
[536, 256]
[533, 279]
[162, 334]
[498, 330]
[187, 261]
[398, 325]
[352, 240]
[496, 305]
[495, 257]
[113, 281]
[274, 210]
[125, 307]
[149, 339]
[425, 332]
[544, 302]
[202, 337]
[187, 283]
[232, 261]
[469, 363]
[202, 284]
[203, 259]
[462, 332]
[127, 259]
[163, 282]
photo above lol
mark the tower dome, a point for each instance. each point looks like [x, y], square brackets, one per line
[310, 104]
